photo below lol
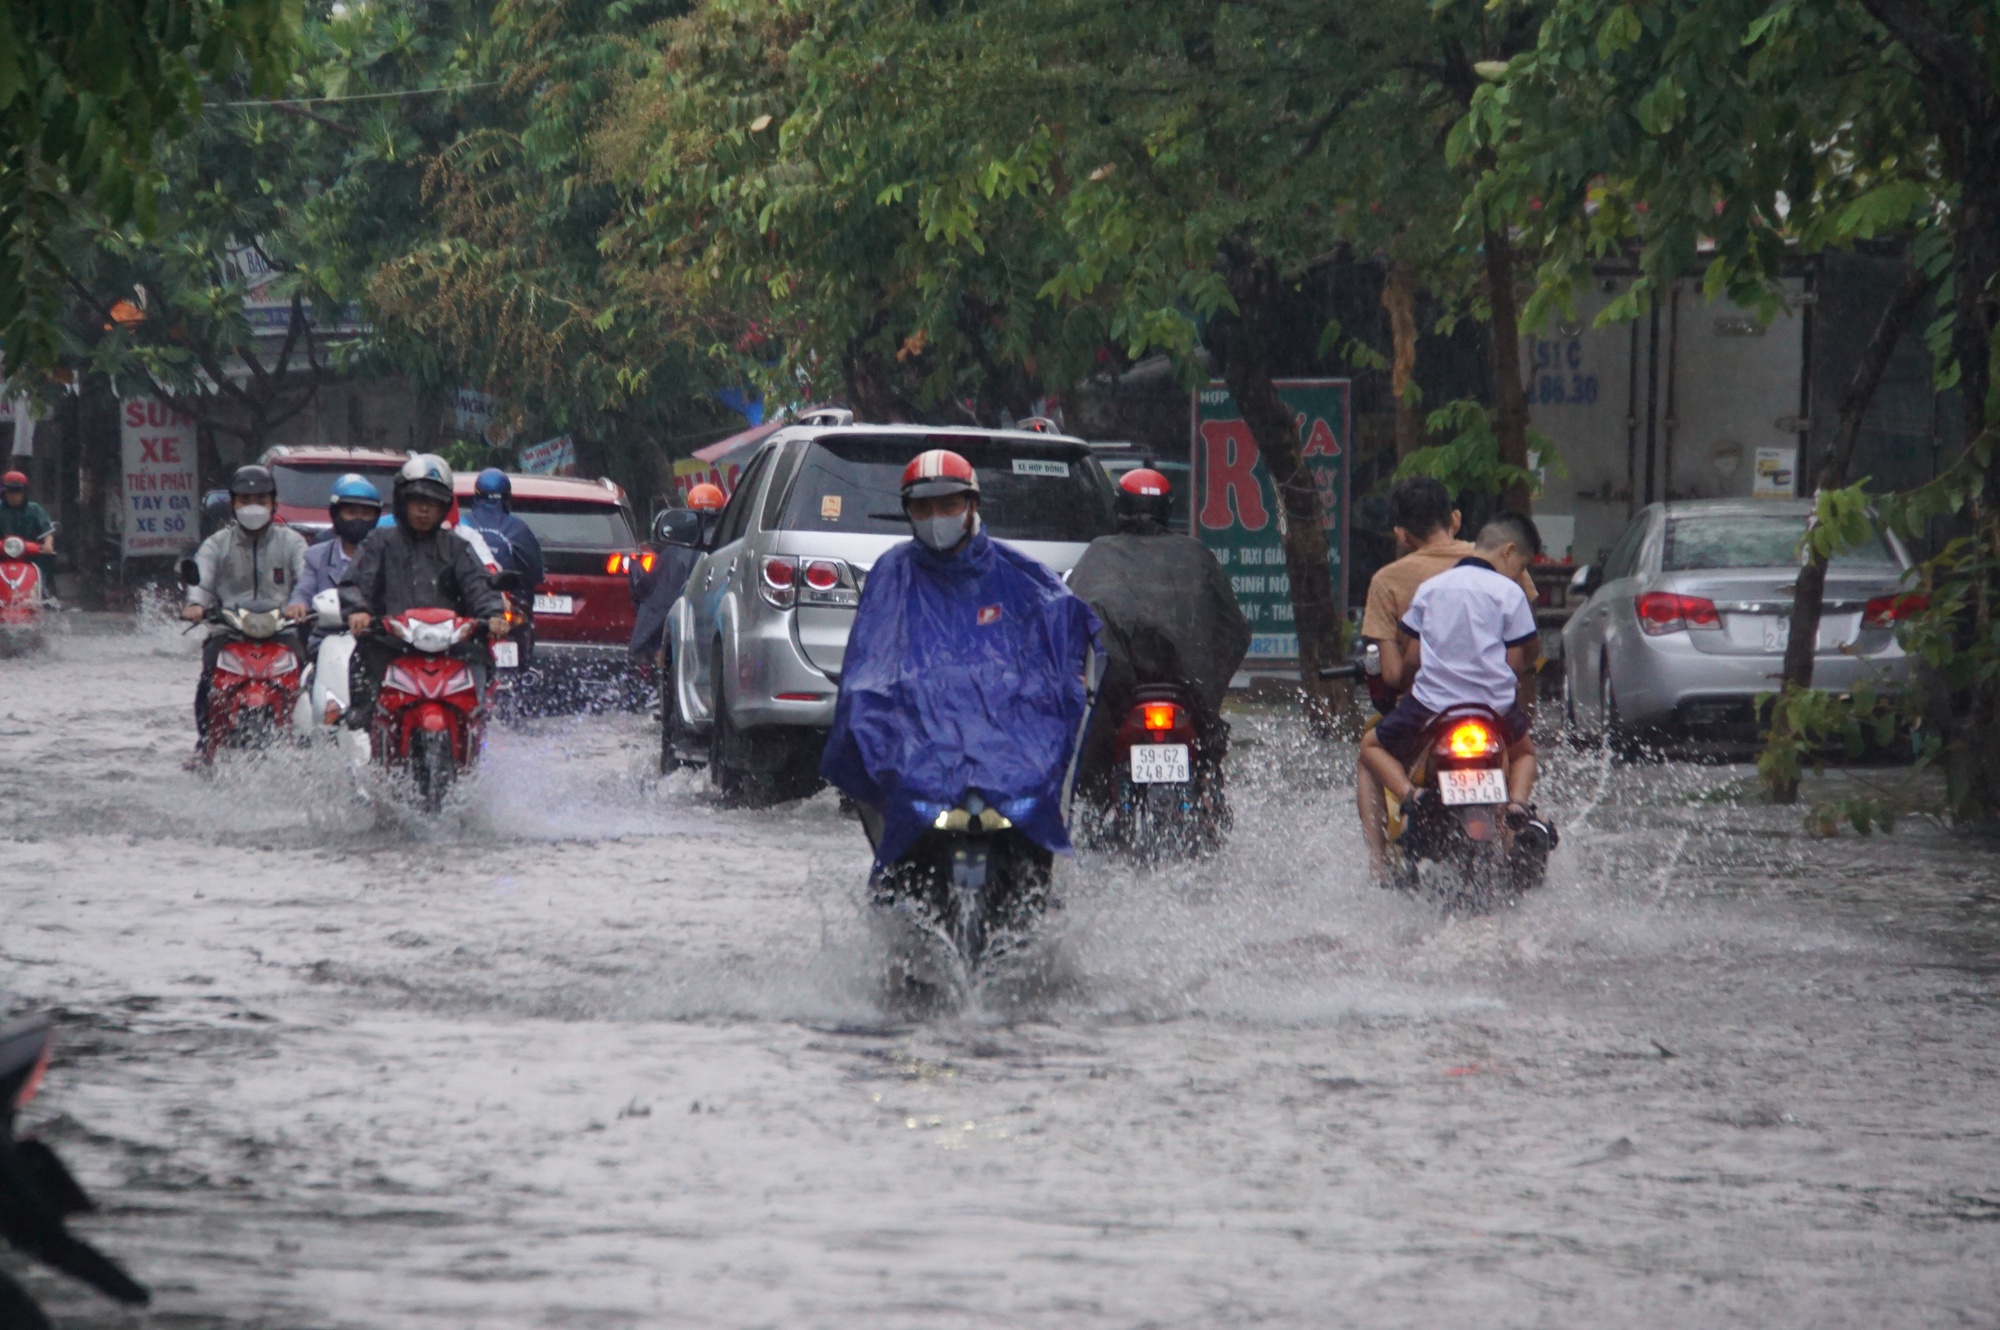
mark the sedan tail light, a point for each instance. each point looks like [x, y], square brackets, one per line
[1888, 611]
[1662, 612]
[777, 582]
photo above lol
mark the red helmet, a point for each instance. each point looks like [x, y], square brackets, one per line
[14, 480]
[1144, 480]
[936, 473]
[706, 498]
[1143, 494]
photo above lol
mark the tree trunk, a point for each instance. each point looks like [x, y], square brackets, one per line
[1505, 338]
[1244, 342]
[1398, 301]
[1809, 592]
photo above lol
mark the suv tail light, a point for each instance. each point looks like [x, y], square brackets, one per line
[618, 565]
[1662, 612]
[1888, 611]
[777, 582]
[828, 582]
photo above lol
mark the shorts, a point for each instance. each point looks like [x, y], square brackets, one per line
[1401, 732]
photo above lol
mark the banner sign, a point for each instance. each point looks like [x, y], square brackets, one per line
[161, 491]
[692, 471]
[550, 457]
[1236, 505]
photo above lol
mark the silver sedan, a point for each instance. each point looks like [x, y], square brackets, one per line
[1688, 618]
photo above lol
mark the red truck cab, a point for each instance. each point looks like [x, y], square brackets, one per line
[583, 609]
[305, 477]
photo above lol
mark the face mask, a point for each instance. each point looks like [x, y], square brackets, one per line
[255, 517]
[941, 533]
[353, 530]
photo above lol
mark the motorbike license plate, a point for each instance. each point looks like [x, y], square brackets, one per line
[1487, 785]
[555, 605]
[1154, 764]
[507, 655]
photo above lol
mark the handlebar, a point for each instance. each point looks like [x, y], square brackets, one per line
[1351, 671]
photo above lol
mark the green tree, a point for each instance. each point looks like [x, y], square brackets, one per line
[88, 91]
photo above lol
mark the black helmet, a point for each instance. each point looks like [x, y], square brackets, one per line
[252, 480]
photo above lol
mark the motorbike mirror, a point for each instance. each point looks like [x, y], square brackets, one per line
[507, 580]
[678, 526]
[190, 573]
[215, 505]
[1586, 579]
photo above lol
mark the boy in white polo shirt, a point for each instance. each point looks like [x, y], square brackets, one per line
[1469, 636]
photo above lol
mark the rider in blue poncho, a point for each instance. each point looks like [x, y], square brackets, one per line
[964, 671]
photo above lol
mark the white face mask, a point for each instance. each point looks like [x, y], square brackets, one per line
[253, 517]
[941, 533]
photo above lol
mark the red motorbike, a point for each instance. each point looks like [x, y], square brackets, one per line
[254, 687]
[430, 713]
[20, 593]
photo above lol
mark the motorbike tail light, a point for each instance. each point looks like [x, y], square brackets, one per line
[1888, 611]
[778, 582]
[1662, 612]
[1470, 739]
[1158, 716]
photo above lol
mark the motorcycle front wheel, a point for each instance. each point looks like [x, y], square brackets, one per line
[432, 767]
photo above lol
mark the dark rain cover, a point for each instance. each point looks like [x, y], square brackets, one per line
[962, 672]
[1169, 615]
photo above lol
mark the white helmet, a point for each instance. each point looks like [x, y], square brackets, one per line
[424, 476]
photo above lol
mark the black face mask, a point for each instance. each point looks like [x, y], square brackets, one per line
[353, 530]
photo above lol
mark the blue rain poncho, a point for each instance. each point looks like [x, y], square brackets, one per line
[963, 672]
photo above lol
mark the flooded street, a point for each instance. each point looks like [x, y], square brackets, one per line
[594, 1052]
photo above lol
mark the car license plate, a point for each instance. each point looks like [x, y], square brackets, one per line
[555, 605]
[1154, 764]
[1487, 785]
[507, 655]
[1777, 634]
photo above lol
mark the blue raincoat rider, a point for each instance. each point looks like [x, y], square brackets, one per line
[513, 546]
[964, 672]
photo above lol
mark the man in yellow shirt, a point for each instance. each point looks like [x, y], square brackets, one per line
[1426, 525]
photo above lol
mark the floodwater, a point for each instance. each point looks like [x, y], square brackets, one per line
[592, 1051]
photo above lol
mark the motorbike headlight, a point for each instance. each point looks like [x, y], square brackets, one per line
[14, 547]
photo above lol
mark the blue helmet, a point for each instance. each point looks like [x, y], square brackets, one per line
[493, 483]
[355, 488]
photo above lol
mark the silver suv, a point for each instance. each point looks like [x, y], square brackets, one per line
[757, 637]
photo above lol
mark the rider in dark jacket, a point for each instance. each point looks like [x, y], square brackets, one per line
[513, 544]
[416, 564]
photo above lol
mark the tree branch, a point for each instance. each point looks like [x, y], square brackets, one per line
[1912, 23]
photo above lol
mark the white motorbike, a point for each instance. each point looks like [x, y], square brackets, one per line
[323, 701]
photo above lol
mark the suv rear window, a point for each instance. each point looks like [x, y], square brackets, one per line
[312, 486]
[564, 525]
[1027, 491]
[1753, 540]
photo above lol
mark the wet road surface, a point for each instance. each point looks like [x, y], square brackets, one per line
[591, 1051]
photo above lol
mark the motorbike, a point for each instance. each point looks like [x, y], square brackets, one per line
[971, 877]
[430, 714]
[38, 1193]
[254, 687]
[20, 595]
[1464, 826]
[1156, 788]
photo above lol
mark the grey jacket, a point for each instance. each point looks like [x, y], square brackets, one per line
[238, 566]
[325, 562]
[396, 571]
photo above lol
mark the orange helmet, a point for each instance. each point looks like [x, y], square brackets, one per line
[938, 472]
[706, 498]
[14, 480]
